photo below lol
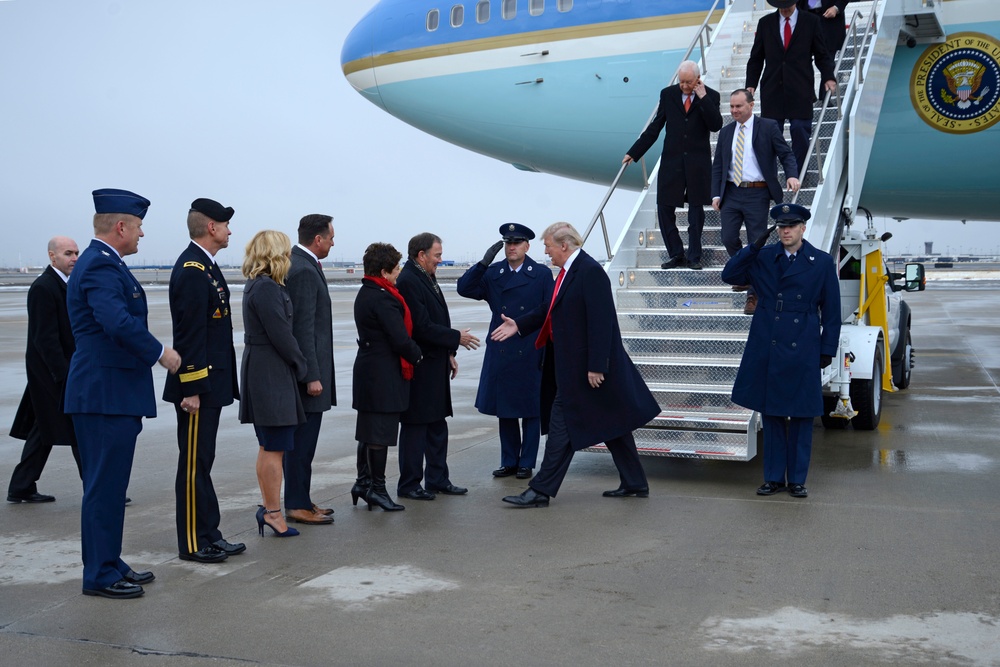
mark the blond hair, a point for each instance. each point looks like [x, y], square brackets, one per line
[563, 232]
[267, 254]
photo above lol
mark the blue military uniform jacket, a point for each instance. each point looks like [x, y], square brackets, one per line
[111, 370]
[511, 378]
[780, 372]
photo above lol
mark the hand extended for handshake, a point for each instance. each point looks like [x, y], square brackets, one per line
[170, 360]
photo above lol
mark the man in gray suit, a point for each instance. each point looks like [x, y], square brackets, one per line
[312, 325]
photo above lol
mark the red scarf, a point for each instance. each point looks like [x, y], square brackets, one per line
[407, 319]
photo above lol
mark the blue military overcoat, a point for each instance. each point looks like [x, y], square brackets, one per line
[511, 378]
[796, 321]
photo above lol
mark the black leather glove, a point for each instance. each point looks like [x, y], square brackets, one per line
[491, 252]
[825, 360]
[762, 241]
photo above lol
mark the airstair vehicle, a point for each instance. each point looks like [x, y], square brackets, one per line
[686, 331]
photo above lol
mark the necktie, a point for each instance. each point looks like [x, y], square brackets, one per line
[546, 332]
[319, 264]
[788, 32]
[738, 156]
[687, 103]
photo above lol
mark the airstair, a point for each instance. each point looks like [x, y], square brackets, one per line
[685, 330]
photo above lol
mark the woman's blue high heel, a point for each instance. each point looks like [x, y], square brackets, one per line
[291, 532]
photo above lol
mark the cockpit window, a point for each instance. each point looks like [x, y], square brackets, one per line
[536, 7]
[564, 5]
[433, 17]
[457, 16]
[483, 11]
[509, 9]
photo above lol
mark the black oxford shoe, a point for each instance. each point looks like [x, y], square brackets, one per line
[418, 494]
[770, 488]
[209, 554]
[30, 498]
[504, 471]
[529, 498]
[524, 473]
[138, 578]
[450, 490]
[120, 590]
[622, 492]
[228, 548]
[798, 491]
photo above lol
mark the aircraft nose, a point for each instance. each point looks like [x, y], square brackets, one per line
[357, 58]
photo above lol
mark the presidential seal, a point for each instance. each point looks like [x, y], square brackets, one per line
[955, 86]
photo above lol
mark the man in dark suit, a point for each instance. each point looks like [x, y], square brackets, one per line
[40, 420]
[203, 336]
[423, 432]
[512, 376]
[745, 175]
[591, 391]
[832, 21]
[779, 374]
[784, 47]
[109, 388]
[690, 112]
[312, 325]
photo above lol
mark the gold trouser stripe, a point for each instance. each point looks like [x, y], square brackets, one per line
[193, 375]
[192, 467]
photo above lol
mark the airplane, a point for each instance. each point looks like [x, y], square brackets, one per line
[564, 87]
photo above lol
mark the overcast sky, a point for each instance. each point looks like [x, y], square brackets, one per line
[243, 101]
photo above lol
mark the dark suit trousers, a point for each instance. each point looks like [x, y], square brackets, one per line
[749, 206]
[33, 457]
[107, 447]
[800, 131]
[667, 216]
[418, 442]
[787, 448]
[197, 505]
[298, 463]
[519, 442]
[559, 452]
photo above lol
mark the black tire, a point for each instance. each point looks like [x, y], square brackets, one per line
[902, 370]
[832, 423]
[866, 395]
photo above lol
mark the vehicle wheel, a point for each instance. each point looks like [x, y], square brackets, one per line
[901, 372]
[866, 395]
[832, 423]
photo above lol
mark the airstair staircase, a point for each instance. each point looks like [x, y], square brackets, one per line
[684, 329]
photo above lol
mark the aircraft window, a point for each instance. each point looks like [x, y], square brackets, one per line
[432, 20]
[509, 9]
[457, 16]
[564, 5]
[483, 11]
[536, 7]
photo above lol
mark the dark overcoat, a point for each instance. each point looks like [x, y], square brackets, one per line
[686, 163]
[586, 338]
[382, 339]
[834, 30]
[780, 371]
[203, 332]
[313, 327]
[272, 364]
[111, 372]
[511, 378]
[769, 147]
[46, 362]
[787, 87]
[430, 389]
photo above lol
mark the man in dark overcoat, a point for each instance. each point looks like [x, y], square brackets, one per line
[690, 112]
[109, 388]
[831, 19]
[40, 420]
[423, 430]
[202, 325]
[794, 333]
[312, 324]
[591, 391]
[512, 372]
[784, 48]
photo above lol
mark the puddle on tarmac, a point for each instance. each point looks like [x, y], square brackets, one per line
[900, 460]
[362, 587]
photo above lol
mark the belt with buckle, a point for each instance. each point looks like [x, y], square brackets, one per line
[751, 184]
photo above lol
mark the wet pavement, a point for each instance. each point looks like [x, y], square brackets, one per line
[893, 559]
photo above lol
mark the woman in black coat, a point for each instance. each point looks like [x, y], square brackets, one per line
[382, 371]
[272, 368]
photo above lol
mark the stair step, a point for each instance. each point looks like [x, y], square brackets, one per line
[690, 444]
[710, 322]
[696, 346]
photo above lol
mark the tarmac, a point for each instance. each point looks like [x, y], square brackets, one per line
[892, 560]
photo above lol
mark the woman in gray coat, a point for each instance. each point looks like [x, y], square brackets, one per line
[272, 367]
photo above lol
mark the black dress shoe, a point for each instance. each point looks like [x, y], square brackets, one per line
[622, 492]
[450, 490]
[120, 590]
[30, 498]
[524, 473]
[673, 263]
[694, 266]
[504, 471]
[138, 578]
[127, 500]
[771, 488]
[798, 491]
[530, 498]
[418, 494]
[229, 548]
[209, 554]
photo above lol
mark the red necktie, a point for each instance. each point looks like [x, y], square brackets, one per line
[687, 103]
[788, 33]
[320, 264]
[546, 332]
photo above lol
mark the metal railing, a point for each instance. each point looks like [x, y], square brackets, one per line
[701, 41]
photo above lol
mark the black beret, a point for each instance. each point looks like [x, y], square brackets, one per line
[213, 209]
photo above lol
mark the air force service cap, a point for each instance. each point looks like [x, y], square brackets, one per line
[789, 215]
[213, 209]
[512, 232]
[110, 200]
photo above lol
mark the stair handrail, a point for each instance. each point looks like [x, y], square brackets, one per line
[704, 34]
